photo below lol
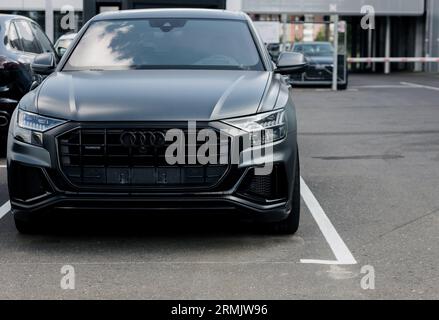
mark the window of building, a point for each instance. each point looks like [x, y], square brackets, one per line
[108, 8]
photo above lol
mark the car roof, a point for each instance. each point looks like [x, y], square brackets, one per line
[172, 13]
[8, 17]
[4, 20]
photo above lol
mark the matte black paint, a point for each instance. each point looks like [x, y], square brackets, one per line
[146, 97]
[151, 95]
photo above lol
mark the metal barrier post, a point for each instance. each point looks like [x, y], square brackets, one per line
[387, 54]
[335, 67]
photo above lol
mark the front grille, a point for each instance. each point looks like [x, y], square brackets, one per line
[102, 157]
[322, 73]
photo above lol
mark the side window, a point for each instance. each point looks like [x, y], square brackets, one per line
[30, 43]
[45, 43]
[14, 40]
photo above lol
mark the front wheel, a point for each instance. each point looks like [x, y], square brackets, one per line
[291, 224]
[343, 86]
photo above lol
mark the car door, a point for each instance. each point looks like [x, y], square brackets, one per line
[29, 44]
[28, 39]
[17, 77]
[42, 39]
[34, 42]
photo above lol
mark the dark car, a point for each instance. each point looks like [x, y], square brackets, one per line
[320, 64]
[22, 41]
[138, 104]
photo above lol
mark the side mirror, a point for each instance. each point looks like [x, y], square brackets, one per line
[290, 63]
[44, 63]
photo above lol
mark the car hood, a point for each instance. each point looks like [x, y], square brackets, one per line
[152, 95]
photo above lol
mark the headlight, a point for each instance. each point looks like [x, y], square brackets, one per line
[30, 127]
[263, 128]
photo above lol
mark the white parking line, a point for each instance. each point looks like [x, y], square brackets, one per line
[385, 86]
[338, 247]
[336, 243]
[415, 85]
[5, 208]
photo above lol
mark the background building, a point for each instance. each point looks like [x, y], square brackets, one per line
[399, 25]
[404, 28]
[47, 13]
[94, 7]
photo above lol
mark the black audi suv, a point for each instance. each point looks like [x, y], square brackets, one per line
[22, 41]
[172, 109]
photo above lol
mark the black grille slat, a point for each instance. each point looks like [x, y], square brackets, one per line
[324, 73]
[97, 157]
[272, 186]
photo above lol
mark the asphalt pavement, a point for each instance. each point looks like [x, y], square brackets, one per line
[369, 229]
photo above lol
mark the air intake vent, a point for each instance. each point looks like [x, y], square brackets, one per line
[265, 187]
[29, 183]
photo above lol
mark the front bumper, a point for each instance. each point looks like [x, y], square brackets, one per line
[37, 185]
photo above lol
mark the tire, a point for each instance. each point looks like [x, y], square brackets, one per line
[344, 86]
[26, 223]
[290, 225]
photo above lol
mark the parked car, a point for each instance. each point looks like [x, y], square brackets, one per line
[63, 43]
[22, 41]
[93, 133]
[320, 64]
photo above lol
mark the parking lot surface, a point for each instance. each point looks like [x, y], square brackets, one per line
[370, 169]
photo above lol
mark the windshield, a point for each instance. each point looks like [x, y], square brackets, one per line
[315, 49]
[166, 44]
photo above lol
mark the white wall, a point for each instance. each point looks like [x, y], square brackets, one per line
[234, 5]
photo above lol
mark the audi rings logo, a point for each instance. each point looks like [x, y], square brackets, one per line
[142, 139]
